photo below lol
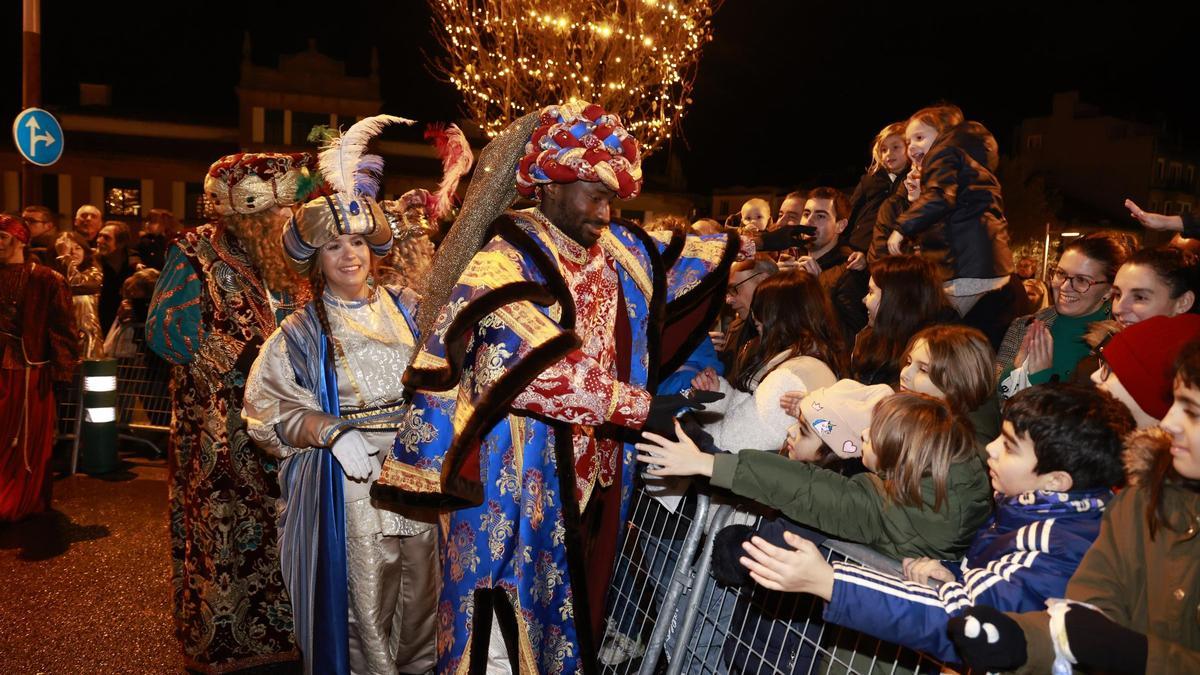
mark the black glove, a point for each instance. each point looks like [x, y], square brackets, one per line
[699, 436]
[987, 640]
[727, 550]
[1098, 643]
[663, 409]
[783, 238]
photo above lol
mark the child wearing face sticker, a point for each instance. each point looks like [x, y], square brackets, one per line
[1053, 469]
[1140, 580]
[828, 432]
[889, 159]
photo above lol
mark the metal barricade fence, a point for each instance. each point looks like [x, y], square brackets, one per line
[143, 399]
[70, 415]
[143, 392]
[667, 615]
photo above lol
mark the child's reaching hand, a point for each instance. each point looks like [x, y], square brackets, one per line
[673, 458]
[921, 570]
[799, 570]
[790, 402]
[706, 380]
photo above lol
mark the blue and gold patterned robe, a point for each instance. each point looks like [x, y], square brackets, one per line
[506, 478]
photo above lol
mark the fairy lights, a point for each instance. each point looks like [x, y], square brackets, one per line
[637, 58]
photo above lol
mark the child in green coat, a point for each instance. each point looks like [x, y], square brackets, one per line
[926, 494]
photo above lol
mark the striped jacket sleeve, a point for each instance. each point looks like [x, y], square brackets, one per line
[1038, 567]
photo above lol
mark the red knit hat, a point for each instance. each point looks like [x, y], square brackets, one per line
[1143, 358]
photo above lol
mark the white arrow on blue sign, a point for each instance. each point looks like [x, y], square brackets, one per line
[38, 136]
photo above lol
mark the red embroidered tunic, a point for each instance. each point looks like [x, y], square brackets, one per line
[583, 388]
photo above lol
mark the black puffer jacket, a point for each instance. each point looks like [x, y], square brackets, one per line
[959, 218]
[870, 194]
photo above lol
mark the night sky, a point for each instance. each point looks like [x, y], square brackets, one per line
[788, 92]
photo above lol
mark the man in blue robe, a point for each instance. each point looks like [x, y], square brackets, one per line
[532, 382]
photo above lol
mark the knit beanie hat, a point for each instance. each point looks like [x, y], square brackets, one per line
[1143, 358]
[839, 413]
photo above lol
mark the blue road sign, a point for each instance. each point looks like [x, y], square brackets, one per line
[38, 136]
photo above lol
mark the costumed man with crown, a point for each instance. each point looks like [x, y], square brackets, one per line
[224, 289]
[39, 347]
[327, 386]
[529, 389]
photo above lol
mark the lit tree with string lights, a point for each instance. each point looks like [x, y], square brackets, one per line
[636, 58]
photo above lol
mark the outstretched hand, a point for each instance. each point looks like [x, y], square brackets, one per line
[673, 458]
[790, 402]
[801, 569]
[706, 380]
[665, 407]
[1154, 221]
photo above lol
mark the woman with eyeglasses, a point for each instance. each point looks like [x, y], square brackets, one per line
[1047, 346]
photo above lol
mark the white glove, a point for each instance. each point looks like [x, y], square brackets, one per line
[354, 454]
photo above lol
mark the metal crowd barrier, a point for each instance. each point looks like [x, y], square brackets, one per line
[667, 615]
[70, 415]
[143, 401]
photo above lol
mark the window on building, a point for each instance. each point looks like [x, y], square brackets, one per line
[123, 197]
[1175, 172]
[1168, 208]
[273, 127]
[1033, 142]
[1160, 169]
[1191, 175]
[1185, 207]
[303, 123]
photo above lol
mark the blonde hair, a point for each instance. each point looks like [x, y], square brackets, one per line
[914, 436]
[893, 129]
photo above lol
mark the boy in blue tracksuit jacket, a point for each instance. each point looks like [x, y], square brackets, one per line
[1052, 468]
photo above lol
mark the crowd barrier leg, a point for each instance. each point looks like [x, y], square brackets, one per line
[76, 435]
[699, 584]
[680, 580]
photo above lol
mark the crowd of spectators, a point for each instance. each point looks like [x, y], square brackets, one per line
[905, 382]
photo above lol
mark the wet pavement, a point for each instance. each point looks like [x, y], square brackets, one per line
[84, 588]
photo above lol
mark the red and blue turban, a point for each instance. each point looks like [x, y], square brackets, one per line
[579, 141]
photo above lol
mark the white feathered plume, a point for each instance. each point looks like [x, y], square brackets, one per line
[342, 160]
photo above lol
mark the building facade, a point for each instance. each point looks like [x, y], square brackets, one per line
[1094, 161]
